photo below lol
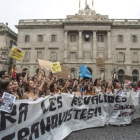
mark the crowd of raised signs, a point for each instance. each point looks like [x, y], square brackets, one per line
[41, 85]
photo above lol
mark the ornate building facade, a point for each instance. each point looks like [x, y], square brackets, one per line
[79, 40]
[8, 38]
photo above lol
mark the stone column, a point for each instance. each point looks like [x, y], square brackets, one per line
[109, 45]
[80, 53]
[65, 45]
[94, 54]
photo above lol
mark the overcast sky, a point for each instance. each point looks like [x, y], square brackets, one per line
[13, 10]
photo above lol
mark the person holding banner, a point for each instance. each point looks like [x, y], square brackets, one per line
[118, 89]
[97, 87]
[5, 86]
[30, 91]
[87, 90]
[109, 88]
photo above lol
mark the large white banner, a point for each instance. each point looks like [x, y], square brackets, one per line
[55, 117]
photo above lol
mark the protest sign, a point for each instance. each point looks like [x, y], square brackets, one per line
[8, 101]
[45, 64]
[55, 117]
[17, 54]
[55, 67]
[64, 72]
[127, 77]
[100, 62]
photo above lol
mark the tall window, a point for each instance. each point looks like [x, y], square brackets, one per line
[100, 38]
[72, 55]
[53, 38]
[53, 56]
[135, 75]
[26, 57]
[39, 55]
[121, 57]
[40, 38]
[135, 56]
[120, 38]
[72, 38]
[134, 38]
[27, 38]
[86, 55]
[120, 75]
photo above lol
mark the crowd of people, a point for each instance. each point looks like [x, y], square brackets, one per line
[41, 85]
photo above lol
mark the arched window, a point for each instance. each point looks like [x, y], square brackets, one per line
[73, 73]
[120, 75]
[27, 38]
[24, 72]
[135, 75]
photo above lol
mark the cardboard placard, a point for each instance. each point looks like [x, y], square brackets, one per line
[64, 72]
[100, 62]
[17, 54]
[56, 67]
[127, 77]
[45, 64]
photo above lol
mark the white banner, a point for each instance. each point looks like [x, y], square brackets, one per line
[55, 117]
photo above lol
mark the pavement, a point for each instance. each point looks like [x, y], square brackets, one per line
[131, 132]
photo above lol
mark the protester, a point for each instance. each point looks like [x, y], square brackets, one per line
[109, 88]
[30, 91]
[97, 87]
[137, 88]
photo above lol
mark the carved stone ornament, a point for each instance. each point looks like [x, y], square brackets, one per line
[87, 14]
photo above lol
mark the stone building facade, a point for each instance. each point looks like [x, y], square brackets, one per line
[8, 38]
[79, 40]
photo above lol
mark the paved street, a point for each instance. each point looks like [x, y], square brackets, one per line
[131, 132]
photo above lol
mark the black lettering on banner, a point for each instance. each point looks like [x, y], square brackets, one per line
[59, 101]
[86, 100]
[54, 121]
[66, 116]
[35, 131]
[23, 109]
[90, 113]
[43, 108]
[118, 99]
[93, 99]
[69, 115]
[74, 101]
[83, 114]
[105, 98]
[52, 108]
[9, 137]
[61, 117]
[79, 101]
[100, 101]
[124, 99]
[23, 133]
[95, 112]
[46, 127]
[111, 99]
[76, 113]
[99, 110]
[7, 116]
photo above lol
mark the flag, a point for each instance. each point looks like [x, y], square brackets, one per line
[85, 2]
[79, 4]
[92, 3]
[84, 72]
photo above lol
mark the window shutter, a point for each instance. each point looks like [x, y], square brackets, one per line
[124, 57]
